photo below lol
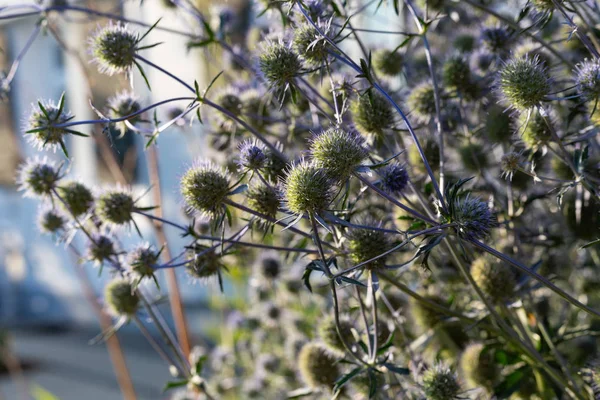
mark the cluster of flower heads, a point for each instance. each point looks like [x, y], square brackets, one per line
[412, 199]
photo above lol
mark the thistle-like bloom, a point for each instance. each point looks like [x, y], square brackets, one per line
[421, 102]
[116, 207]
[206, 262]
[365, 244]
[308, 189]
[310, 44]
[101, 248]
[456, 74]
[204, 188]
[318, 366]
[143, 259]
[42, 124]
[473, 217]
[279, 64]
[495, 279]
[524, 83]
[510, 163]
[440, 383]
[113, 48]
[588, 79]
[38, 177]
[338, 152]
[121, 105]
[264, 199]
[536, 132]
[328, 333]
[478, 366]
[394, 178]
[77, 198]
[252, 157]
[388, 63]
[496, 39]
[51, 220]
[121, 298]
[372, 113]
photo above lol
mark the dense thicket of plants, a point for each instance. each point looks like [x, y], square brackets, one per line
[429, 207]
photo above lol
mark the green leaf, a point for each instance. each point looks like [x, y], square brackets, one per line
[175, 384]
[148, 31]
[585, 246]
[43, 110]
[396, 369]
[345, 378]
[61, 105]
[139, 67]
[511, 383]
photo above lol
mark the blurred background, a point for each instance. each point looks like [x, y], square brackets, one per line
[46, 315]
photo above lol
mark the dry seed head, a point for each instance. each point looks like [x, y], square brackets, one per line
[478, 366]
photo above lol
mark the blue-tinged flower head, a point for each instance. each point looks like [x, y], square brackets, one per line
[588, 79]
[394, 178]
[101, 248]
[143, 260]
[38, 177]
[51, 220]
[253, 156]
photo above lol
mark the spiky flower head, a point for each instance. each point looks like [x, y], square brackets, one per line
[310, 44]
[121, 105]
[269, 268]
[121, 298]
[113, 48]
[394, 178]
[265, 199]
[308, 189]
[143, 259]
[440, 383]
[230, 100]
[115, 207]
[204, 188]
[77, 197]
[495, 279]
[38, 177]
[510, 163]
[544, 5]
[279, 64]
[372, 113]
[421, 102]
[338, 152]
[536, 132]
[472, 216]
[588, 79]
[524, 82]
[388, 63]
[51, 220]
[496, 39]
[206, 262]
[318, 366]
[328, 333]
[456, 74]
[42, 129]
[252, 157]
[478, 366]
[101, 248]
[365, 244]
[473, 156]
